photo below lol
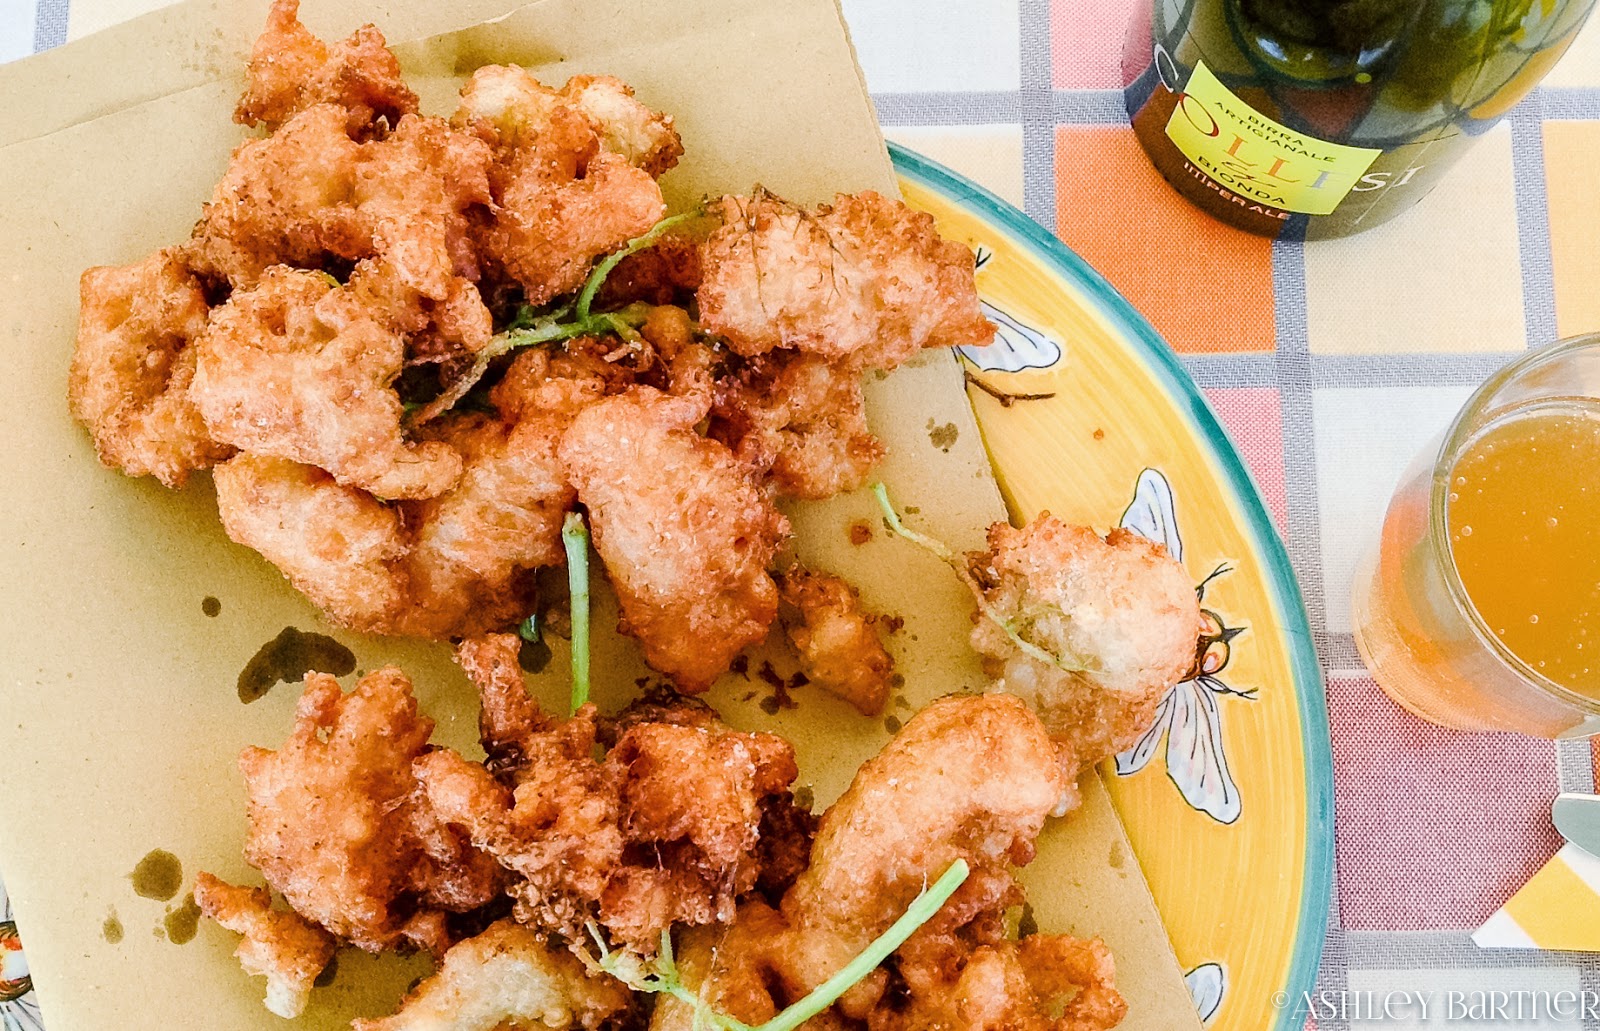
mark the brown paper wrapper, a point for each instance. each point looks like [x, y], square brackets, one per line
[121, 722]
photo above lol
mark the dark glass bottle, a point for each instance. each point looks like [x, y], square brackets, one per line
[1320, 118]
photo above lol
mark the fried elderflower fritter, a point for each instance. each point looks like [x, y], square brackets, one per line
[133, 365]
[298, 368]
[685, 532]
[338, 546]
[1045, 982]
[308, 194]
[867, 279]
[666, 829]
[802, 419]
[460, 563]
[290, 70]
[838, 646]
[284, 947]
[574, 173]
[1118, 616]
[340, 829]
[474, 545]
[969, 778]
[507, 979]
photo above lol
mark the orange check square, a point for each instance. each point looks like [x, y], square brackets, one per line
[1205, 287]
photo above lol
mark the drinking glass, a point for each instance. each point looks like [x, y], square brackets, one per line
[1415, 625]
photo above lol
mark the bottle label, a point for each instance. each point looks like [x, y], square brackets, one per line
[1253, 156]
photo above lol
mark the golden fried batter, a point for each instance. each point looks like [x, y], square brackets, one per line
[836, 641]
[867, 279]
[338, 827]
[685, 533]
[1120, 608]
[283, 947]
[626, 127]
[290, 70]
[476, 545]
[1041, 983]
[801, 418]
[969, 777]
[667, 272]
[133, 364]
[548, 231]
[457, 324]
[510, 723]
[337, 545]
[460, 563]
[522, 112]
[573, 177]
[507, 979]
[298, 368]
[308, 194]
[666, 829]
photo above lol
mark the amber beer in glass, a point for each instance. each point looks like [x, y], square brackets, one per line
[1477, 608]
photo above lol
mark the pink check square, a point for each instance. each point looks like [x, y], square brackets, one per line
[1253, 417]
[1435, 829]
[1086, 42]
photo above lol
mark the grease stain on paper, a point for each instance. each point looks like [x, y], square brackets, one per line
[157, 876]
[287, 659]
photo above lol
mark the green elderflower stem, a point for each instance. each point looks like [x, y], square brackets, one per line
[575, 539]
[526, 330]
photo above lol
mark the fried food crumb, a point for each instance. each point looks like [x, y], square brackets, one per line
[836, 640]
[284, 947]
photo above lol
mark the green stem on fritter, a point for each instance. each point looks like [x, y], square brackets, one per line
[564, 323]
[528, 629]
[891, 518]
[663, 978]
[597, 277]
[575, 539]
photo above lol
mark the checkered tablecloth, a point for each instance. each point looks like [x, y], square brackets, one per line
[1331, 364]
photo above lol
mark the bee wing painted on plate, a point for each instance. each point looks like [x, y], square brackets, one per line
[1196, 761]
[1017, 346]
[1207, 983]
[1139, 754]
[1153, 513]
[22, 1015]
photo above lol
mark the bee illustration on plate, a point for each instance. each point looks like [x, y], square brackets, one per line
[19, 1006]
[1207, 983]
[1017, 345]
[1189, 715]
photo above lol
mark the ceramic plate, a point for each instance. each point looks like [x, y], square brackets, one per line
[1228, 800]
